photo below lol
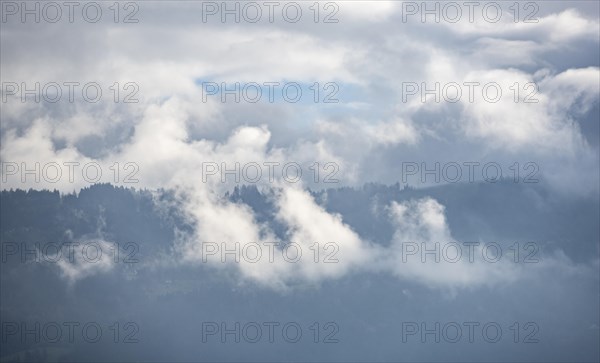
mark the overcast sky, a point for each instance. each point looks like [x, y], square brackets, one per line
[385, 86]
[370, 55]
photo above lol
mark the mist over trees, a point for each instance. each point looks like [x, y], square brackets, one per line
[168, 301]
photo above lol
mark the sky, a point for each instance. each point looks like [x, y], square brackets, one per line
[297, 98]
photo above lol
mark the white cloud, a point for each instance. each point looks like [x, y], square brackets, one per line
[366, 50]
[87, 259]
